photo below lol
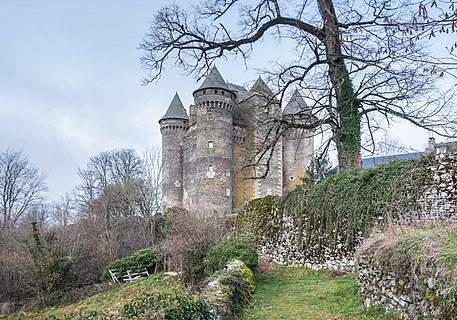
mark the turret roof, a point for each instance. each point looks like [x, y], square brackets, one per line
[295, 105]
[260, 90]
[261, 87]
[175, 110]
[214, 80]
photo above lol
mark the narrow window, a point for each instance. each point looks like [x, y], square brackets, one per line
[210, 173]
[209, 116]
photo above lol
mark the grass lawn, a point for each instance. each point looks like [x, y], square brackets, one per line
[111, 301]
[298, 293]
[282, 293]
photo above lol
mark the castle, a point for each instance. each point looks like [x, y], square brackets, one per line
[216, 158]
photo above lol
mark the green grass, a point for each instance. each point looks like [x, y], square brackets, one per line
[111, 301]
[297, 293]
[282, 293]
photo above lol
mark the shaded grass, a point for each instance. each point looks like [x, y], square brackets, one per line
[298, 293]
[111, 301]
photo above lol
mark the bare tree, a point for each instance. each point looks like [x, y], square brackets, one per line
[104, 170]
[22, 186]
[152, 162]
[121, 183]
[62, 211]
[361, 64]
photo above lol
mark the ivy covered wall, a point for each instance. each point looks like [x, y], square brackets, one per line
[322, 224]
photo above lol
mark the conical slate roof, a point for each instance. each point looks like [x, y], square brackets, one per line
[214, 80]
[261, 87]
[175, 110]
[296, 105]
[260, 90]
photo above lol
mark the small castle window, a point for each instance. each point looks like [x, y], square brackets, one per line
[204, 91]
[210, 115]
[210, 144]
[227, 173]
[215, 91]
[210, 173]
[292, 178]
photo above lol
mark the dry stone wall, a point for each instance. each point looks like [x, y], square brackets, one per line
[291, 243]
[439, 201]
[399, 292]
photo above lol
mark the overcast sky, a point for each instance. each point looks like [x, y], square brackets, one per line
[70, 83]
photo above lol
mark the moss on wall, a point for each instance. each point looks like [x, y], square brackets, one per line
[261, 219]
[230, 290]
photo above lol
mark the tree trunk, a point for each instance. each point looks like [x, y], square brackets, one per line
[347, 131]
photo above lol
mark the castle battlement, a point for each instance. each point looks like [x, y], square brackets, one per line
[212, 161]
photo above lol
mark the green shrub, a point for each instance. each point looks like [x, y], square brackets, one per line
[166, 305]
[144, 258]
[229, 249]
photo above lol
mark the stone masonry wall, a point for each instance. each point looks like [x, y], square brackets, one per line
[399, 292]
[438, 203]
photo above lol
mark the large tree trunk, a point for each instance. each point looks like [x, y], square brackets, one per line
[347, 131]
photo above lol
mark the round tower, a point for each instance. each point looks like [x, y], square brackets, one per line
[173, 127]
[214, 103]
[297, 143]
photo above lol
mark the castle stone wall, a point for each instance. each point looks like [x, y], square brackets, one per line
[297, 154]
[173, 132]
[214, 151]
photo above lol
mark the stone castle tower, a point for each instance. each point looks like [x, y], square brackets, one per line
[211, 156]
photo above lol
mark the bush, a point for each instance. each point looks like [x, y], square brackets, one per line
[229, 249]
[191, 236]
[144, 258]
[166, 305]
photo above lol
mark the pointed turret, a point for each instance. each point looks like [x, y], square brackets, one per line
[298, 144]
[214, 80]
[261, 90]
[262, 99]
[296, 105]
[173, 127]
[261, 87]
[175, 110]
[214, 104]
